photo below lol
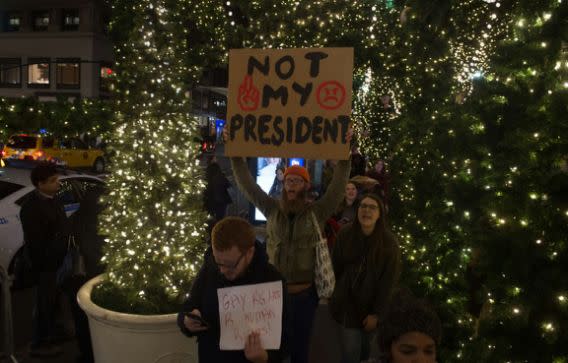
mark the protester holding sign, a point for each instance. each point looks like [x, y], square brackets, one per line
[230, 309]
[366, 261]
[291, 238]
[291, 103]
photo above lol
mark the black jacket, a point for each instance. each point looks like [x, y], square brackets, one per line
[363, 286]
[203, 297]
[85, 229]
[46, 231]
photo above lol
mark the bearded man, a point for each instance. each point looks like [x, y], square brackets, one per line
[291, 238]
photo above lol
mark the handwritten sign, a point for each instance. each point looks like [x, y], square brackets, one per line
[250, 308]
[289, 102]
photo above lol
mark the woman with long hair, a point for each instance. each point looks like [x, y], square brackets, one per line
[366, 262]
[347, 210]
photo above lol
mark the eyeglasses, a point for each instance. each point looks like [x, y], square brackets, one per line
[293, 181]
[369, 206]
[229, 267]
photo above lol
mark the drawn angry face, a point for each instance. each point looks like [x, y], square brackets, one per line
[330, 95]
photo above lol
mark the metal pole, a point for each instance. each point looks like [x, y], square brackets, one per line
[7, 312]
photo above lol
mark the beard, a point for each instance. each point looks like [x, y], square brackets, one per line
[295, 205]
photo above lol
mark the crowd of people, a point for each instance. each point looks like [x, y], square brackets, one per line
[366, 301]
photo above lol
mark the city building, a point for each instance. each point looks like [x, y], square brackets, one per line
[209, 105]
[50, 48]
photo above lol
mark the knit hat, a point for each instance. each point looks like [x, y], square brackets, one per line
[298, 170]
[408, 314]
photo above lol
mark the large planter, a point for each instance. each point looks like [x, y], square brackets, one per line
[119, 337]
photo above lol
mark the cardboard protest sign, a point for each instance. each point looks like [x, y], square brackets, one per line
[247, 308]
[289, 102]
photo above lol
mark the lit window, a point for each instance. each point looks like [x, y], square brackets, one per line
[10, 72]
[41, 20]
[13, 22]
[106, 74]
[38, 73]
[68, 73]
[71, 19]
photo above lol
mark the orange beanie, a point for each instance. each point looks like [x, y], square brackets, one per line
[298, 170]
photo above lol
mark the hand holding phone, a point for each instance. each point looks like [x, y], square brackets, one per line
[196, 318]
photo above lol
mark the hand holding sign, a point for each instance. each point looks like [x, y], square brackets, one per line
[225, 134]
[249, 96]
[349, 135]
[251, 315]
[253, 349]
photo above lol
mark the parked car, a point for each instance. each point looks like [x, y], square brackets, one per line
[69, 152]
[15, 187]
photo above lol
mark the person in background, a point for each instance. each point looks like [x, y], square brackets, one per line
[366, 262]
[379, 173]
[216, 196]
[235, 258]
[278, 185]
[410, 332]
[46, 231]
[291, 237]
[358, 163]
[347, 210]
[85, 225]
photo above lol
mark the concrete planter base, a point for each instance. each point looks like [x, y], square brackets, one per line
[119, 337]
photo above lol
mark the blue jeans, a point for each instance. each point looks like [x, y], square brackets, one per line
[355, 345]
[302, 313]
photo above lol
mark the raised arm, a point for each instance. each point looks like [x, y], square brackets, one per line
[325, 207]
[250, 189]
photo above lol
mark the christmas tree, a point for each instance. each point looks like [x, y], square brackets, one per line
[475, 129]
[518, 184]
[425, 58]
[91, 117]
[153, 221]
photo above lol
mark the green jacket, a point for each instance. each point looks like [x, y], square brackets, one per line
[363, 286]
[291, 239]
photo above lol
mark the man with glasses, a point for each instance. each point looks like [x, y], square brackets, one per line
[235, 258]
[292, 237]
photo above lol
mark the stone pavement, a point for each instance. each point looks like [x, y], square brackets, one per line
[325, 347]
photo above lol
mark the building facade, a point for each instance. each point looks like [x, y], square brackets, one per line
[50, 48]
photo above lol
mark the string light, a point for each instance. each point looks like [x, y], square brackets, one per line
[153, 222]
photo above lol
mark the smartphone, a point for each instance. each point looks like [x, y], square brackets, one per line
[196, 318]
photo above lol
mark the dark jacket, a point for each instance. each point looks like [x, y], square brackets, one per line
[46, 230]
[85, 229]
[203, 297]
[291, 240]
[363, 286]
[216, 196]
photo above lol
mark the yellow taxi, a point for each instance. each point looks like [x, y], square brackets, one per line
[70, 152]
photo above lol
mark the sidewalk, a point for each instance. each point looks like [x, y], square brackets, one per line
[22, 307]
